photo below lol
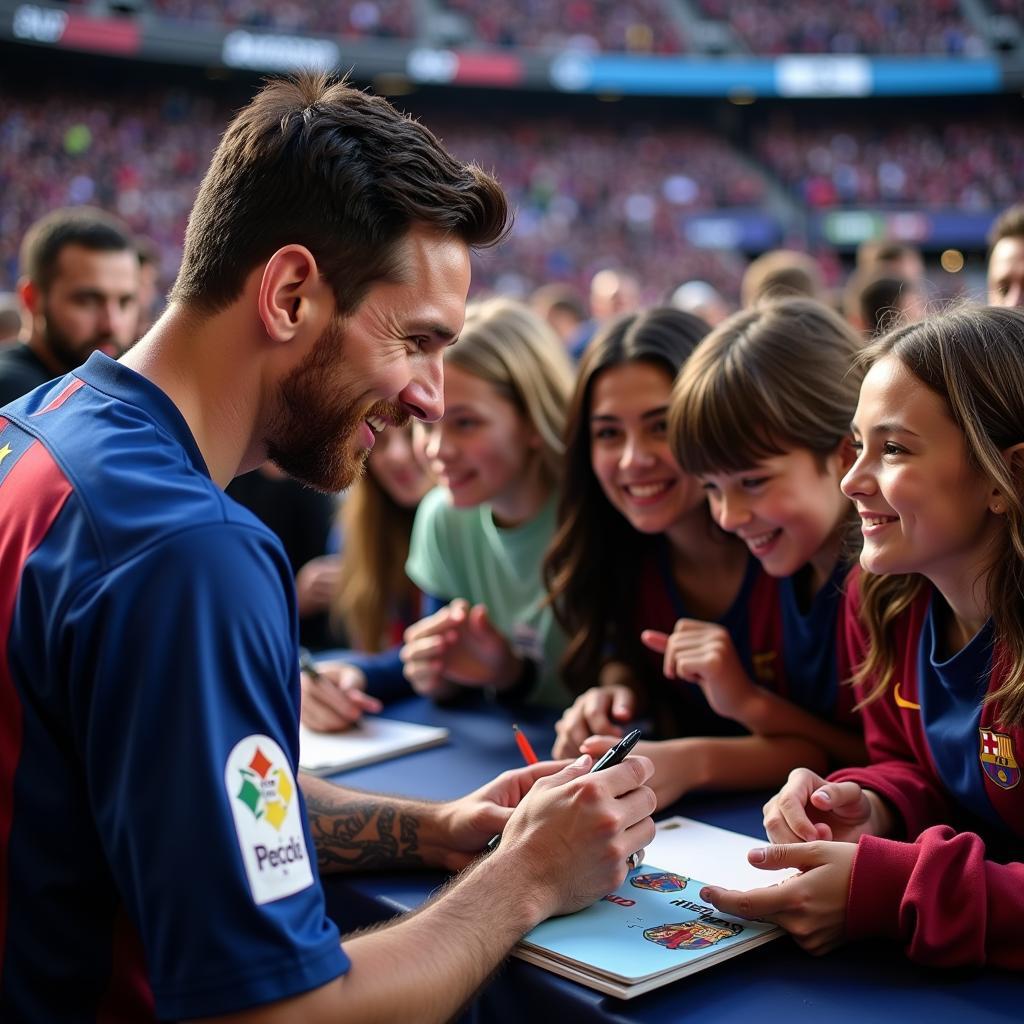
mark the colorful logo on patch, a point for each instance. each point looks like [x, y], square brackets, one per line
[690, 934]
[997, 759]
[266, 791]
[660, 881]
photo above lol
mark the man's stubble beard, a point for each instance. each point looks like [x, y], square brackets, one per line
[64, 354]
[311, 434]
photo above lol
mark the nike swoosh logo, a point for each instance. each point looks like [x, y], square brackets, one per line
[902, 702]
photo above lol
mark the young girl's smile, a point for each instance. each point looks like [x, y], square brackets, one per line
[924, 507]
[629, 448]
[788, 509]
[481, 450]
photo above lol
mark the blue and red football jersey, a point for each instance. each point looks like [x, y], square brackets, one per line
[951, 770]
[790, 650]
[155, 859]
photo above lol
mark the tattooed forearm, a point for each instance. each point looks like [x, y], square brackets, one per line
[352, 833]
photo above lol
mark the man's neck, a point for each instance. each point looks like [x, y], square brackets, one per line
[199, 363]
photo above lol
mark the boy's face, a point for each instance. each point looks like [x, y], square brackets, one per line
[788, 509]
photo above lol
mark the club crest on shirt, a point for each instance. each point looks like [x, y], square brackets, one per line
[267, 818]
[691, 934]
[660, 881]
[997, 760]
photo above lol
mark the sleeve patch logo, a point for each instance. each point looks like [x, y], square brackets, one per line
[268, 823]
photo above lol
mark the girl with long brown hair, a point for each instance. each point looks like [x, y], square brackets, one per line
[925, 844]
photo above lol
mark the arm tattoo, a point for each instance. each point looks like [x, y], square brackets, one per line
[361, 834]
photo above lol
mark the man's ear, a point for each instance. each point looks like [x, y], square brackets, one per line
[31, 295]
[290, 289]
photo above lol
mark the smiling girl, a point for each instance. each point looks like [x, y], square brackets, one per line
[479, 537]
[632, 523]
[936, 625]
[760, 413]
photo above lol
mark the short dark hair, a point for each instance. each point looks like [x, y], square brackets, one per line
[316, 162]
[80, 225]
[1009, 224]
[879, 302]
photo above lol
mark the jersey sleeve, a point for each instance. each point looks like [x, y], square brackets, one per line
[184, 690]
[433, 554]
[940, 898]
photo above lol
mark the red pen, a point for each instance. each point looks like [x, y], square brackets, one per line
[524, 746]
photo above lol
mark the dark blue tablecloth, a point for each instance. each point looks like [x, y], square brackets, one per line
[776, 983]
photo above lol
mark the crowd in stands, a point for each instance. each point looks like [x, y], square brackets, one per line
[615, 197]
[935, 27]
[620, 196]
[360, 19]
[970, 165]
[637, 26]
[859, 26]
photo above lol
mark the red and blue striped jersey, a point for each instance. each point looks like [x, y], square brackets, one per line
[789, 650]
[951, 771]
[155, 860]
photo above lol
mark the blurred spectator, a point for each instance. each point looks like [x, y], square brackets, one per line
[10, 317]
[562, 307]
[897, 259]
[856, 26]
[877, 304]
[700, 299]
[1006, 258]
[79, 287]
[781, 274]
[613, 293]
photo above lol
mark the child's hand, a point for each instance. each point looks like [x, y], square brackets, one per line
[595, 711]
[457, 644]
[703, 653]
[808, 808]
[336, 699]
[811, 906]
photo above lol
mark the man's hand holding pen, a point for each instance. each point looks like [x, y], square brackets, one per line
[572, 834]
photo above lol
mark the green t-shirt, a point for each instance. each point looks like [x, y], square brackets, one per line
[459, 552]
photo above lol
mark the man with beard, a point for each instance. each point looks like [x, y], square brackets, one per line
[79, 285]
[156, 857]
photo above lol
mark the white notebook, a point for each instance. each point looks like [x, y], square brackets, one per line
[374, 739]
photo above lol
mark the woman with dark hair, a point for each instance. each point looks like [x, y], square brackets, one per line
[635, 546]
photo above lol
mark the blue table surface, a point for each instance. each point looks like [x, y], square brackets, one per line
[778, 982]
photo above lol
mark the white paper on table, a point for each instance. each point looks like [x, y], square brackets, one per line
[714, 855]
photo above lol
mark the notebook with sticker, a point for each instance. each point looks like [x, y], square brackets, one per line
[654, 929]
